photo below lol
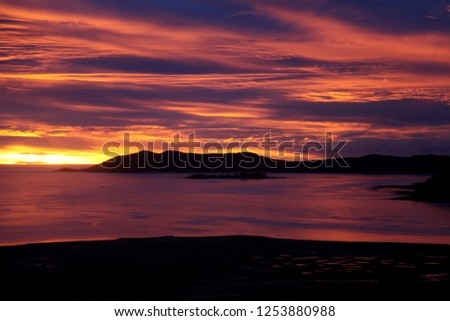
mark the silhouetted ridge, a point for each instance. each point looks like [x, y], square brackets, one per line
[393, 164]
[176, 161]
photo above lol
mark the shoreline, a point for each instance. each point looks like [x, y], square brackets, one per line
[100, 239]
[224, 268]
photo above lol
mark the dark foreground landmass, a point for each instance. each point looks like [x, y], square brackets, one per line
[224, 268]
[436, 189]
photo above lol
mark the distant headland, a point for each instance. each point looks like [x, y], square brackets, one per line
[176, 161]
[248, 165]
[436, 189]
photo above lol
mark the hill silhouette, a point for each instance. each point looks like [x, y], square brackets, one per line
[176, 161]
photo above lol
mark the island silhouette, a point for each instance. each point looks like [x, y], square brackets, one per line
[176, 161]
[247, 165]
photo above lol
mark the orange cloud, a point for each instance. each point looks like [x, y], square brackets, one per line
[74, 76]
[332, 39]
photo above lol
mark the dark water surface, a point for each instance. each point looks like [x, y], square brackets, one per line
[39, 205]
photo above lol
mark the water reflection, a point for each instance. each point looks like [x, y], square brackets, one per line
[40, 205]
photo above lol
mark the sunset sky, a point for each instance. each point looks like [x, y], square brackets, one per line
[76, 74]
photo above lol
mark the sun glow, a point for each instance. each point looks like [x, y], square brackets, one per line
[48, 159]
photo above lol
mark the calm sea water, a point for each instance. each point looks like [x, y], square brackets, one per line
[39, 205]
